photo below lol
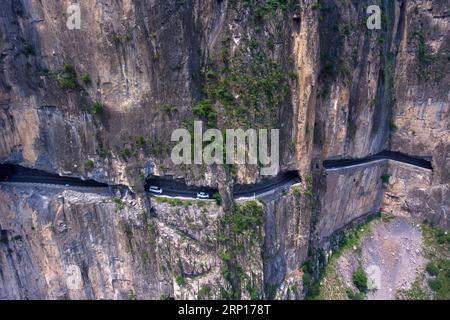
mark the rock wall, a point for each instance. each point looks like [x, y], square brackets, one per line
[81, 244]
[74, 245]
[421, 112]
[287, 234]
[388, 91]
[334, 88]
[350, 193]
[410, 193]
[148, 65]
[62, 244]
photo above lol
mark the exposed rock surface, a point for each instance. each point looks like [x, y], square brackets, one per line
[334, 88]
[392, 255]
[350, 193]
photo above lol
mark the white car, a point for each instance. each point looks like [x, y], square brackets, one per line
[155, 189]
[202, 195]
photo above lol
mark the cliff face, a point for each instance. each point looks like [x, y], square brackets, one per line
[397, 99]
[421, 112]
[148, 65]
[72, 244]
[350, 193]
[410, 192]
[119, 46]
[101, 102]
[81, 244]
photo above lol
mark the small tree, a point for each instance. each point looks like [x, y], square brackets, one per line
[359, 278]
[180, 280]
[89, 165]
[97, 108]
[218, 198]
[432, 269]
[86, 78]
[385, 178]
[68, 77]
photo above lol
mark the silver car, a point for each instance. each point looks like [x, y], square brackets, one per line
[202, 195]
[155, 189]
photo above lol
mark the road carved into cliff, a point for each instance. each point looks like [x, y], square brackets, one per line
[171, 187]
[384, 155]
[178, 188]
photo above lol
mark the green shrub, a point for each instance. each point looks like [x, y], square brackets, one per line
[441, 283]
[204, 292]
[125, 153]
[432, 269]
[435, 284]
[345, 70]
[140, 141]
[173, 202]
[316, 6]
[132, 295]
[416, 292]
[17, 237]
[442, 236]
[169, 109]
[352, 295]
[180, 280]
[216, 196]
[205, 110]
[254, 294]
[86, 78]
[392, 125]
[68, 77]
[359, 278]
[314, 292]
[104, 152]
[225, 255]
[225, 271]
[97, 108]
[119, 202]
[385, 178]
[245, 217]
[89, 165]
[68, 84]
[245, 89]
[425, 57]
[69, 69]
[306, 278]
[28, 49]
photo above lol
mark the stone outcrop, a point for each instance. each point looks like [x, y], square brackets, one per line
[350, 193]
[334, 88]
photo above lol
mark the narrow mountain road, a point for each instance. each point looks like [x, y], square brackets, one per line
[14, 173]
[384, 155]
[177, 188]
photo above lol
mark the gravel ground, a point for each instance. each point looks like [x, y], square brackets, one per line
[393, 257]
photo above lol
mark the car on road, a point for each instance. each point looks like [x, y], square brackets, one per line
[202, 195]
[155, 189]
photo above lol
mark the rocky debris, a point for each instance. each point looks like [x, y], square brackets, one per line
[391, 256]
